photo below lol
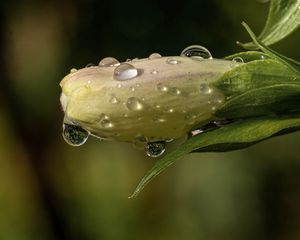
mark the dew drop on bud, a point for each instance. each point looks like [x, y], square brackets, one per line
[74, 134]
[106, 123]
[73, 70]
[155, 149]
[236, 61]
[134, 104]
[154, 56]
[172, 61]
[204, 88]
[196, 52]
[125, 71]
[108, 62]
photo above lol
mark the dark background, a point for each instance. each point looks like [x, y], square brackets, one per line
[49, 190]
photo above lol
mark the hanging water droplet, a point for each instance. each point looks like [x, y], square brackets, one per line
[108, 62]
[134, 104]
[162, 87]
[196, 52]
[154, 56]
[155, 149]
[172, 61]
[125, 71]
[236, 61]
[74, 134]
[204, 88]
[90, 65]
[154, 72]
[106, 123]
[73, 70]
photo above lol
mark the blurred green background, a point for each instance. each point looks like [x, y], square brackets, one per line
[49, 190]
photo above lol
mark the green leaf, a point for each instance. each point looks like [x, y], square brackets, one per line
[291, 63]
[259, 88]
[233, 136]
[283, 19]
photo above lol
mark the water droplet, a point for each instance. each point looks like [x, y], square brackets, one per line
[175, 91]
[114, 100]
[134, 104]
[158, 119]
[88, 84]
[196, 52]
[90, 65]
[154, 56]
[128, 60]
[204, 88]
[132, 89]
[119, 85]
[73, 70]
[172, 61]
[137, 85]
[170, 110]
[236, 61]
[154, 72]
[162, 87]
[125, 115]
[74, 134]
[125, 71]
[157, 106]
[155, 149]
[108, 62]
[106, 123]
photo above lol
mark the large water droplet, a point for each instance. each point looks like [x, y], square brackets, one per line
[134, 104]
[125, 71]
[204, 88]
[108, 62]
[196, 52]
[154, 56]
[74, 134]
[172, 61]
[155, 149]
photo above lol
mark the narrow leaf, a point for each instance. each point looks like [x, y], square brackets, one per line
[283, 19]
[233, 136]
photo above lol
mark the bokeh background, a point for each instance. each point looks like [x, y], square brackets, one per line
[49, 190]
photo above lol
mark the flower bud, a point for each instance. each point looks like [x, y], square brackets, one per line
[154, 99]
